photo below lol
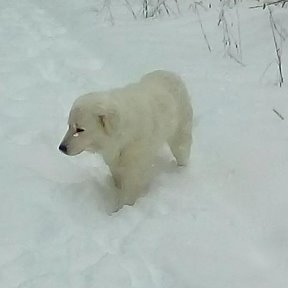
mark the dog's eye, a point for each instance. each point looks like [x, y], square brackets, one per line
[79, 130]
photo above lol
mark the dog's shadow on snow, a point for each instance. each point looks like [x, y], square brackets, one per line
[93, 194]
[165, 163]
[107, 194]
[100, 194]
[165, 166]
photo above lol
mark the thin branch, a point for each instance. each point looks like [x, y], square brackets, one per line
[157, 9]
[166, 8]
[278, 114]
[145, 9]
[177, 5]
[264, 5]
[266, 69]
[277, 48]
[229, 39]
[239, 33]
[131, 9]
[107, 6]
[201, 25]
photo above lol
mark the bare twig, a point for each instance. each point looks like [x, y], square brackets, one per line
[107, 6]
[177, 5]
[229, 40]
[264, 5]
[165, 7]
[157, 9]
[239, 33]
[130, 8]
[277, 48]
[278, 114]
[201, 25]
[145, 9]
[266, 69]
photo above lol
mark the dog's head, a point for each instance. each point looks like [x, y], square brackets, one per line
[90, 126]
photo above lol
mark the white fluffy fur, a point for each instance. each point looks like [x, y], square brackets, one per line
[128, 125]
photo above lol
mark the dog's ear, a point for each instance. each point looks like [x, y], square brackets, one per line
[109, 121]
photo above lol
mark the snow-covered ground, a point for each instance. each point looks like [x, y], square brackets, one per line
[219, 223]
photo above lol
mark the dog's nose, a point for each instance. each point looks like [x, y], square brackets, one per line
[63, 148]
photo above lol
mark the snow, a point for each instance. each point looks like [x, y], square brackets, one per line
[220, 222]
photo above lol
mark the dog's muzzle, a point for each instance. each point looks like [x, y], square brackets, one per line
[63, 148]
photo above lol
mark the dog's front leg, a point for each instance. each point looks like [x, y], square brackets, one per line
[133, 172]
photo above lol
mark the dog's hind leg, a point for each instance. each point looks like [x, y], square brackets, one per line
[180, 146]
[180, 143]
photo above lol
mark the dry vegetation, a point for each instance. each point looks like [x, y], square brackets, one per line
[228, 20]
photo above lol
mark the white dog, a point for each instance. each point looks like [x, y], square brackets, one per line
[128, 125]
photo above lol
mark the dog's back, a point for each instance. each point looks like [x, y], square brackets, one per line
[174, 85]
